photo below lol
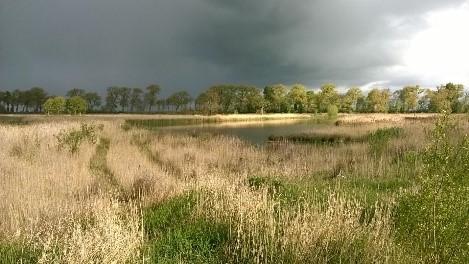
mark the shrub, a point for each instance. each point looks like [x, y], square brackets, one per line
[72, 139]
[332, 111]
[432, 223]
[77, 105]
[379, 139]
[54, 105]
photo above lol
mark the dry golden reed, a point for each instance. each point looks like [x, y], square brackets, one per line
[54, 201]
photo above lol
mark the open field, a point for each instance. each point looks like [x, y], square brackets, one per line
[98, 189]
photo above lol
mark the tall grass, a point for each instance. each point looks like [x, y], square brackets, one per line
[158, 197]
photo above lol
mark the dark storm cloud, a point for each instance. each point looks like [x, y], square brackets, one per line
[60, 44]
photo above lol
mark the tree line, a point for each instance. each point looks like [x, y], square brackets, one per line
[239, 98]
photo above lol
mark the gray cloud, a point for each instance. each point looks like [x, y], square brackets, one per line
[60, 44]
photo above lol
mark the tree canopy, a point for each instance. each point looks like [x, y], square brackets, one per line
[241, 98]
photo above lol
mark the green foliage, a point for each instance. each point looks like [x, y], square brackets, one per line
[327, 96]
[332, 111]
[348, 102]
[136, 101]
[175, 234]
[77, 105]
[13, 120]
[75, 92]
[446, 98]
[180, 99]
[319, 139]
[12, 253]
[158, 218]
[72, 139]
[282, 190]
[153, 124]
[36, 97]
[379, 139]
[93, 99]
[298, 96]
[409, 97]
[432, 223]
[378, 100]
[54, 105]
[150, 97]
[275, 95]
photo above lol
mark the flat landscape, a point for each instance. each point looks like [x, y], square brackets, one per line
[361, 188]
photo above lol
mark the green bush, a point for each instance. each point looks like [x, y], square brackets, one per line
[432, 223]
[72, 139]
[379, 139]
[54, 105]
[332, 111]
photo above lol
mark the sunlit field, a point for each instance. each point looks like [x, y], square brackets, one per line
[99, 189]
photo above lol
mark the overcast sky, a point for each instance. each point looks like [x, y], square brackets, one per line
[193, 44]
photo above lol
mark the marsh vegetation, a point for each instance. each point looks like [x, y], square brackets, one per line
[102, 190]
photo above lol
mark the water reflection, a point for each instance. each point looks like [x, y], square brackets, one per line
[256, 132]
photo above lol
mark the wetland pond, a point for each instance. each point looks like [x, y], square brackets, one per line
[255, 132]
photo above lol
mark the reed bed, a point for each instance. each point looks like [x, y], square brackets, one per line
[145, 196]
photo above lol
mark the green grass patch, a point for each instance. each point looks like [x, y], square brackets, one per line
[175, 234]
[287, 192]
[314, 189]
[13, 120]
[317, 138]
[378, 139]
[12, 253]
[153, 124]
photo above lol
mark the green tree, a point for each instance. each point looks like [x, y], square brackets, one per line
[4, 103]
[332, 111]
[38, 97]
[112, 97]
[409, 97]
[150, 96]
[378, 100]
[328, 95]
[275, 96]
[15, 100]
[26, 100]
[455, 92]
[161, 104]
[465, 103]
[298, 96]
[7, 98]
[93, 99]
[310, 106]
[136, 101]
[350, 99]
[248, 99]
[209, 102]
[124, 97]
[395, 103]
[228, 97]
[76, 92]
[76, 105]
[438, 100]
[54, 105]
[180, 100]
[445, 98]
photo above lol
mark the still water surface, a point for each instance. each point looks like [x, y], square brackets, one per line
[255, 132]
